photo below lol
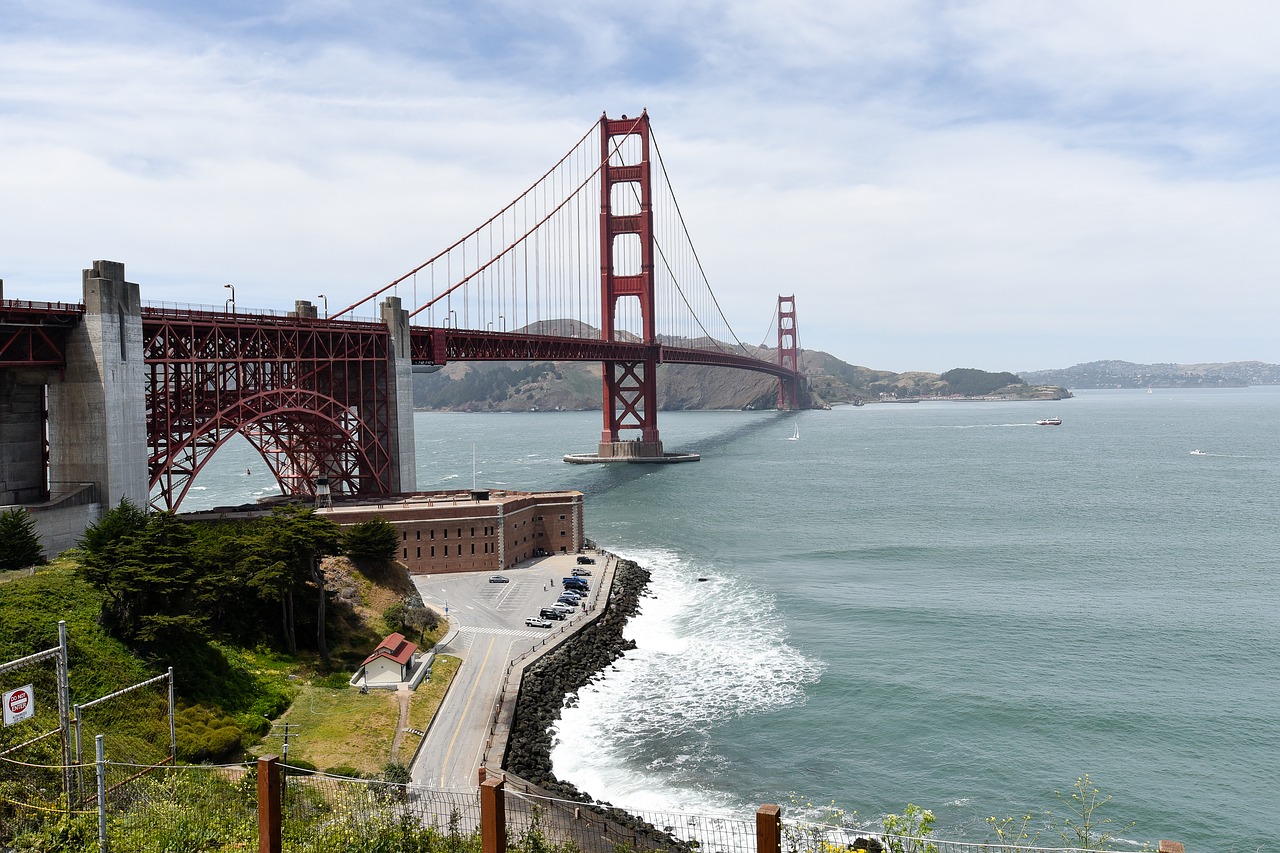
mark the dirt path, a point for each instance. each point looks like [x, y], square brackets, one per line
[403, 695]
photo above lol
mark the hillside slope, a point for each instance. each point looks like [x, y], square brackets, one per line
[575, 386]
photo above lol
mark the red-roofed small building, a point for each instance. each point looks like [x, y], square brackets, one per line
[390, 663]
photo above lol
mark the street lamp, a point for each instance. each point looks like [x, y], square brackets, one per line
[326, 305]
[232, 288]
[453, 318]
[502, 318]
[488, 327]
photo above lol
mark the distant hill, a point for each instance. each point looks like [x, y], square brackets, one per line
[1125, 374]
[575, 386]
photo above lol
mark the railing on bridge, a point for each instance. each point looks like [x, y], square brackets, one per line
[593, 262]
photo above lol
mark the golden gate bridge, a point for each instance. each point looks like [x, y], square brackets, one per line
[593, 262]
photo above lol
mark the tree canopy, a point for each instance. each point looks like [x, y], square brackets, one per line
[19, 540]
[972, 382]
[167, 580]
[371, 540]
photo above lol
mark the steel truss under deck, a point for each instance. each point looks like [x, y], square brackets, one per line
[311, 396]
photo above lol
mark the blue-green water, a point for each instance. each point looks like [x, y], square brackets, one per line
[936, 603]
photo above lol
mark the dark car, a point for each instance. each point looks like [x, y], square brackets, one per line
[586, 561]
[550, 613]
[499, 579]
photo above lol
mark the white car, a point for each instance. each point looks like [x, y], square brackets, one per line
[537, 622]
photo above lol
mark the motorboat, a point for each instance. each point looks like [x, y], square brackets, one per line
[1049, 422]
[1199, 453]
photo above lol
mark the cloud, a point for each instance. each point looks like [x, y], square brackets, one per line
[968, 184]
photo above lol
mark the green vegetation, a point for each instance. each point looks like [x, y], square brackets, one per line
[970, 382]
[1082, 825]
[227, 605]
[19, 541]
[207, 810]
[371, 540]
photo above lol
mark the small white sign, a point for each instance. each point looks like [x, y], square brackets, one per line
[19, 704]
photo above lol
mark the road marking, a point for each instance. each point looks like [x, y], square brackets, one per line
[462, 718]
[506, 632]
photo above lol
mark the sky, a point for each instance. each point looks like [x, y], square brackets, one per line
[997, 184]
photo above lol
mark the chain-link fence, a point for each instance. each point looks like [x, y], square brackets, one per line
[160, 808]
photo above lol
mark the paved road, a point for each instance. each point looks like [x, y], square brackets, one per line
[490, 633]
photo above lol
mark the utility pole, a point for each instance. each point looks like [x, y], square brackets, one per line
[286, 730]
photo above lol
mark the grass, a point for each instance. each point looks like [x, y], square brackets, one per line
[336, 727]
[431, 693]
[349, 729]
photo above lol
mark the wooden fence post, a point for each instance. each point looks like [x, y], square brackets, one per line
[493, 816]
[269, 804]
[769, 829]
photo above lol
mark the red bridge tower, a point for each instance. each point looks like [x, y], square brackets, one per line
[630, 387]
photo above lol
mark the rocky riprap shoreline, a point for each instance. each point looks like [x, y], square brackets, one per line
[557, 676]
[554, 681]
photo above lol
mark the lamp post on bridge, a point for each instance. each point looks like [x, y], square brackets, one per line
[488, 327]
[232, 300]
[503, 319]
[326, 305]
[453, 319]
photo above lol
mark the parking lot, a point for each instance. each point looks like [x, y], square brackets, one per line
[471, 601]
[488, 631]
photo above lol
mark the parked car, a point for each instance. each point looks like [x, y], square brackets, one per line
[499, 579]
[562, 608]
[575, 594]
[568, 601]
[581, 573]
[550, 613]
[584, 560]
[537, 622]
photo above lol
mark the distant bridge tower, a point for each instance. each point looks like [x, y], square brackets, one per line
[788, 353]
[630, 387]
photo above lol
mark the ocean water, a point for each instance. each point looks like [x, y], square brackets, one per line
[936, 603]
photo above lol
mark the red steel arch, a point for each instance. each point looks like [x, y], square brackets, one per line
[312, 396]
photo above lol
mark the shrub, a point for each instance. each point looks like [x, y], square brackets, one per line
[206, 734]
[334, 681]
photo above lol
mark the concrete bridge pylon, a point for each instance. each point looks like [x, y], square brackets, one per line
[97, 413]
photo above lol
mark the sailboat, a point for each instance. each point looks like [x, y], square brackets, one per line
[795, 435]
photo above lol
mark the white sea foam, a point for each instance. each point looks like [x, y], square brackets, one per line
[707, 652]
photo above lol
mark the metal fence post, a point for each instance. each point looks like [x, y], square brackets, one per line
[269, 791]
[63, 672]
[493, 816]
[76, 754]
[769, 829]
[100, 755]
[173, 729]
